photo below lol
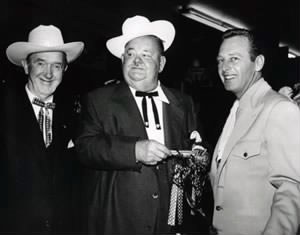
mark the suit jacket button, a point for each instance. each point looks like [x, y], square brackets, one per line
[47, 224]
[245, 154]
[218, 208]
[155, 195]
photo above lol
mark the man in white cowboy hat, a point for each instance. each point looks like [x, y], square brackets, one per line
[126, 134]
[34, 136]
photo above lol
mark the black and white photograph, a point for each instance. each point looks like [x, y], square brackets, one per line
[150, 117]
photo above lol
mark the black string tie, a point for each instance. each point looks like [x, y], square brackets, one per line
[144, 107]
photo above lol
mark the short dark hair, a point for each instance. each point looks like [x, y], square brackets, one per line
[255, 40]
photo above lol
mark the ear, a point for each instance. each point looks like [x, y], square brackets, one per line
[25, 66]
[162, 63]
[122, 58]
[259, 62]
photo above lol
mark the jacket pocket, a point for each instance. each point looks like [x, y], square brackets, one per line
[247, 149]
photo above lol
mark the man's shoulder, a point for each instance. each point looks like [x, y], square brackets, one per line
[273, 102]
[104, 91]
[273, 97]
[176, 93]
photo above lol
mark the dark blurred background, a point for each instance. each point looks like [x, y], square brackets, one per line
[191, 64]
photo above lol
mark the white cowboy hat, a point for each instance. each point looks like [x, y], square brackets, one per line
[41, 39]
[138, 26]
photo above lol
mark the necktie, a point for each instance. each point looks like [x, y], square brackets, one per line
[44, 119]
[144, 107]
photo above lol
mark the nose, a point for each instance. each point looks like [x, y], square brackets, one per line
[226, 66]
[49, 71]
[137, 60]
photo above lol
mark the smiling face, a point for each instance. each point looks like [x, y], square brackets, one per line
[45, 72]
[235, 67]
[142, 61]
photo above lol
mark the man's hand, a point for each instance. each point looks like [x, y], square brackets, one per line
[150, 152]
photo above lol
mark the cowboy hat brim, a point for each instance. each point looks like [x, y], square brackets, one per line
[19, 51]
[160, 28]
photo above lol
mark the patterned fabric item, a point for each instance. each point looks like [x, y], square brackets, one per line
[45, 119]
[173, 204]
[190, 171]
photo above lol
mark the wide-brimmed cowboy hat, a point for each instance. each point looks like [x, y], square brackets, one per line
[138, 26]
[43, 38]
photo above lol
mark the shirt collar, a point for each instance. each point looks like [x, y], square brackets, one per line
[161, 95]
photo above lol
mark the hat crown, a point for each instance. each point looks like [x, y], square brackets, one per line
[48, 36]
[134, 24]
[138, 26]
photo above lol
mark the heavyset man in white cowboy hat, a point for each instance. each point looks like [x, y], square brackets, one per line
[127, 131]
[34, 136]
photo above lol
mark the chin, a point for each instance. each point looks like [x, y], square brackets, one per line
[137, 77]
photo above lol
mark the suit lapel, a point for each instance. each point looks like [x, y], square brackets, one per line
[57, 125]
[126, 103]
[173, 118]
[245, 118]
[28, 124]
[242, 125]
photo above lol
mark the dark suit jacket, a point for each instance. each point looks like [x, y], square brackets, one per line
[34, 179]
[125, 197]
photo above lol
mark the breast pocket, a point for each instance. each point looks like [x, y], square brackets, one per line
[247, 149]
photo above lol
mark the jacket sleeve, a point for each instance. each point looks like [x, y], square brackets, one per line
[283, 141]
[99, 149]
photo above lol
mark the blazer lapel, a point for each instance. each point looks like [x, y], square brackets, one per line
[173, 117]
[245, 118]
[28, 122]
[244, 121]
[125, 100]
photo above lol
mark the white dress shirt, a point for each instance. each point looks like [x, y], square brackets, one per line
[152, 132]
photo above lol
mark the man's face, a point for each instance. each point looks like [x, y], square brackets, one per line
[235, 68]
[142, 62]
[45, 71]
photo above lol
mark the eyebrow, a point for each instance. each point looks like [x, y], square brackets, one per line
[144, 50]
[231, 54]
[235, 53]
